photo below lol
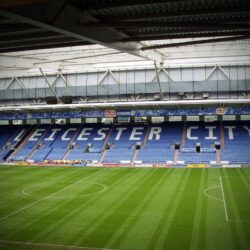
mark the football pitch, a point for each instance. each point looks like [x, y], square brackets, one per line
[124, 208]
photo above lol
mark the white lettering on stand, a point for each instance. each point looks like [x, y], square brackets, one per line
[189, 133]
[155, 132]
[52, 136]
[19, 136]
[101, 133]
[64, 136]
[136, 132]
[37, 134]
[84, 133]
[210, 133]
[230, 132]
[248, 129]
[119, 133]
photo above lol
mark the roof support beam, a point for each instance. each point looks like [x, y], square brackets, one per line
[116, 105]
[21, 32]
[38, 40]
[217, 67]
[47, 81]
[166, 13]
[123, 3]
[12, 80]
[52, 40]
[43, 46]
[234, 38]
[30, 37]
[108, 72]
[7, 3]
[77, 57]
[112, 74]
[73, 26]
[158, 80]
[16, 61]
[187, 35]
[68, 84]
[175, 31]
[20, 83]
[212, 25]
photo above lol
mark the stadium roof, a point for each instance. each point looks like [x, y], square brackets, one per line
[121, 31]
[120, 24]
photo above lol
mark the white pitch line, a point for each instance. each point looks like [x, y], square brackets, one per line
[50, 245]
[241, 221]
[224, 201]
[24, 192]
[44, 198]
[209, 196]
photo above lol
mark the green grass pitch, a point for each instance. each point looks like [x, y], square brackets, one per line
[124, 208]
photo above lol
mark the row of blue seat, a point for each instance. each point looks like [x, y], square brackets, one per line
[101, 113]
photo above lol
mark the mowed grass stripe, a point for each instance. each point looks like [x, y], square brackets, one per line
[33, 203]
[158, 236]
[11, 190]
[197, 228]
[236, 219]
[202, 231]
[139, 209]
[116, 214]
[31, 176]
[22, 202]
[244, 181]
[106, 202]
[218, 233]
[239, 202]
[55, 214]
[245, 173]
[14, 199]
[147, 223]
[181, 224]
[75, 210]
[90, 212]
[235, 192]
[41, 207]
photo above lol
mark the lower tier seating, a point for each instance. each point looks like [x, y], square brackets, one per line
[176, 142]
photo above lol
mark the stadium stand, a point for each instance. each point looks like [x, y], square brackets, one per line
[160, 143]
[201, 135]
[128, 143]
[123, 141]
[11, 138]
[237, 142]
[88, 143]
